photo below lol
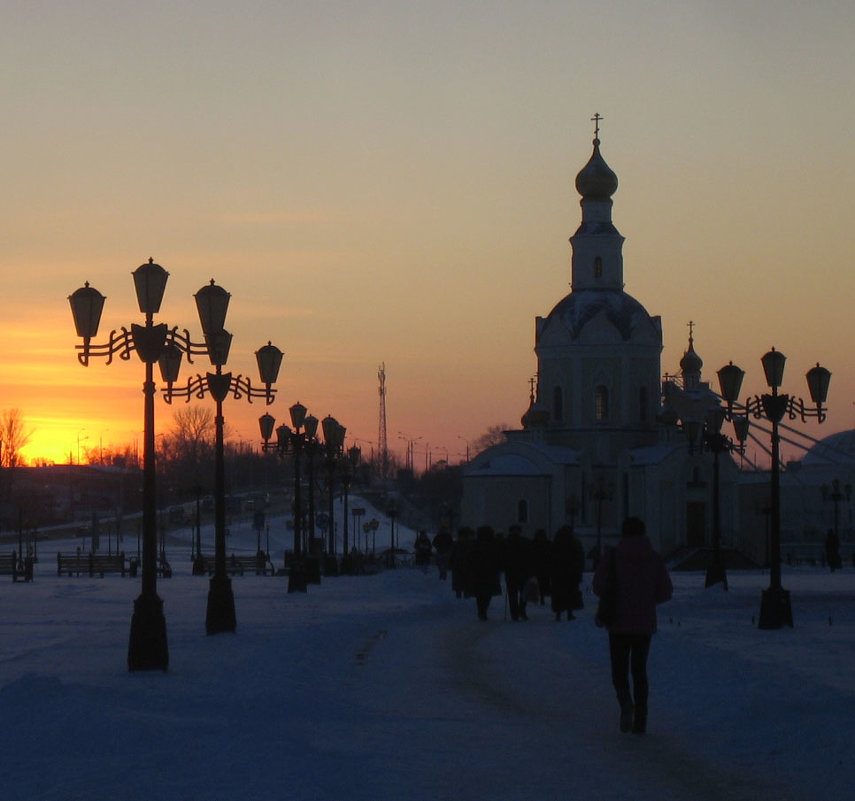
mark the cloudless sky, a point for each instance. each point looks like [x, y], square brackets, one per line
[393, 182]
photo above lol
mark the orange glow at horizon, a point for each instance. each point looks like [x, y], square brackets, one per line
[399, 207]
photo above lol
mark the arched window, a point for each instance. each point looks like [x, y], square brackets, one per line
[557, 404]
[598, 267]
[642, 404]
[522, 511]
[601, 403]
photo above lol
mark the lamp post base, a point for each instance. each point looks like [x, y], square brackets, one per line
[221, 606]
[775, 609]
[716, 574]
[147, 649]
[330, 566]
[297, 576]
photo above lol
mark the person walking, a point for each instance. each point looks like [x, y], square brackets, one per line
[442, 544]
[423, 547]
[459, 563]
[518, 566]
[637, 577]
[542, 553]
[484, 568]
[568, 565]
[832, 550]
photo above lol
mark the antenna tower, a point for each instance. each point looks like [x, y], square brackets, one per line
[381, 433]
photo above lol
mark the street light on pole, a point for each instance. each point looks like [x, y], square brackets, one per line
[292, 441]
[775, 608]
[147, 648]
[212, 304]
[348, 467]
[708, 435]
[333, 443]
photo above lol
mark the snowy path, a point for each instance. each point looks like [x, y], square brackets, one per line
[388, 688]
[522, 709]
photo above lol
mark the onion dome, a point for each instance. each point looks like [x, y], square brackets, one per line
[536, 416]
[595, 180]
[691, 362]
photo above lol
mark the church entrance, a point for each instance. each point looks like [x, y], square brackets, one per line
[696, 520]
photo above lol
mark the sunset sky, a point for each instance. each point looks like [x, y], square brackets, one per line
[393, 182]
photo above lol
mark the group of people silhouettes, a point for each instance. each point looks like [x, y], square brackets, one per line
[631, 576]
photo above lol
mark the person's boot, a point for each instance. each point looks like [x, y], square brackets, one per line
[639, 722]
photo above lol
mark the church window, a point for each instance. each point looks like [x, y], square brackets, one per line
[598, 267]
[557, 404]
[522, 511]
[601, 403]
[642, 404]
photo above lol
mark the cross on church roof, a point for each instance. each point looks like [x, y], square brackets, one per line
[596, 120]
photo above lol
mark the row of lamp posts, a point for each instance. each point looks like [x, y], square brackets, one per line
[300, 441]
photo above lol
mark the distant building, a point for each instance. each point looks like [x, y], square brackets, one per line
[599, 440]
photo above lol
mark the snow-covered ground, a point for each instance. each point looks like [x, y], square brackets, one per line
[388, 687]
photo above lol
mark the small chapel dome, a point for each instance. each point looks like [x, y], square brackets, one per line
[596, 180]
[691, 362]
[536, 416]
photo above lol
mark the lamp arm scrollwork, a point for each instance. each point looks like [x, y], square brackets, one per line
[182, 341]
[242, 388]
[196, 387]
[121, 343]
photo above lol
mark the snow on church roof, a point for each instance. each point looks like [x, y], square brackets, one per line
[623, 311]
[836, 448]
[510, 459]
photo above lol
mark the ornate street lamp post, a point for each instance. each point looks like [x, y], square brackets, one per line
[716, 443]
[310, 446]
[333, 443]
[147, 647]
[601, 490]
[293, 442]
[775, 608]
[835, 494]
[212, 304]
[348, 466]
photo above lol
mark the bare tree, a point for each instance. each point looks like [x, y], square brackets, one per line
[14, 436]
[187, 449]
[192, 431]
[494, 435]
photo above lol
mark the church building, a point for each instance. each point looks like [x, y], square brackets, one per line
[599, 440]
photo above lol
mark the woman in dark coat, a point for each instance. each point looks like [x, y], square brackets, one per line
[518, 564]
[639, 580]
[484, 567]
[542, 550]
[458, 562]
[568, 565]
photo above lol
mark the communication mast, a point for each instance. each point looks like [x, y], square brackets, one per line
[381, 433]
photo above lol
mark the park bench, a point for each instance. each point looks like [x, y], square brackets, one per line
[804, 554]
[258, 565]
[163, 568]
[9, 566]
[90, 564]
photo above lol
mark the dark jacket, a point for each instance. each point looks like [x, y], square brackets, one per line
[518, 560]
[642, 583]
[484, 565]
[568, 565]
